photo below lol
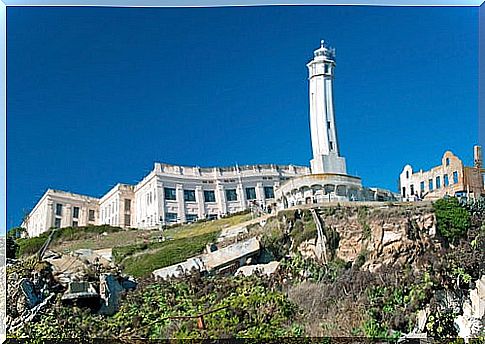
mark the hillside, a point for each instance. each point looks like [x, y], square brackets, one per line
[365, 270]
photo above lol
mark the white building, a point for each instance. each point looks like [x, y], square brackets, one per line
[170, 194]
[61, 209]
[116, 208]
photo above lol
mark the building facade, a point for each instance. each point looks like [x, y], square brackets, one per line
[61, 209]
[171, 194]
[450, 178]
[117, 207]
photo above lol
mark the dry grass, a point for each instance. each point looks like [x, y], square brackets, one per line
[200, 228]
[327, 316]
[140, 236]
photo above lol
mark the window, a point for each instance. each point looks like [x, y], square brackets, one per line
[59, 209]
[75, 212]
[407, 174]
[127, 204]
[412, 189]
[189, 195]
[91, 215]
[170, 194]
[268, 192]
[447, 162]
[231, 195]
[212, 217]
[421, 186]
[171, 217]
[74, 223]
[403, 191]
[438, 182]
[250, 193]
[127, 220]
[209, 196]
[331, 145]
[326, 68]
[430, 182]
[190, 217]
[455, 177]
[328, 124]
[57, 223]
[445, 180]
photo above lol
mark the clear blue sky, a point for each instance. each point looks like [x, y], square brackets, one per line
[96, 95]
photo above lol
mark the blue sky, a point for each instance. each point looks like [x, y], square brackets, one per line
[96, 95]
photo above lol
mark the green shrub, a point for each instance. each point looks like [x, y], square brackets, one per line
[276, 243]
[29, 246]
[453, 221]
[361, 259]
[303, 231]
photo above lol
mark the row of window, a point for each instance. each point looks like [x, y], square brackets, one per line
[173, 217]
[210, 195]
[75, 212]
[436, 183]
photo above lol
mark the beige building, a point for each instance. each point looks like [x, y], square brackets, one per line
[116, 208]
[61, 209]
[450, 178]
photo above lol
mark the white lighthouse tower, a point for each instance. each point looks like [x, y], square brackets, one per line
[326, 156]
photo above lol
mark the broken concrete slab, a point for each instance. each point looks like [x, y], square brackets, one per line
[234, 254]
[106, 253]
[88, 256]
[266, 269]
[181, 269]
[223, 260]
[232, 233]
[80, 290]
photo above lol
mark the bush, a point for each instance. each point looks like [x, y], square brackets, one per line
[453, 221]
[29, 246]
[12, 247]
[303, 231]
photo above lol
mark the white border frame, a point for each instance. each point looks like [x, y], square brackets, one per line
[176, 3]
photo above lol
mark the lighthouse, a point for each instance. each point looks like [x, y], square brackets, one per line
[323, 130]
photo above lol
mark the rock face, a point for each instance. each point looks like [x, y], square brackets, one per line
[470, 322]
[381, 234]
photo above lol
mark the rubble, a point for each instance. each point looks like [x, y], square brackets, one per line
[232, 233]
[224, 260]
[84, 278]
[266, 269]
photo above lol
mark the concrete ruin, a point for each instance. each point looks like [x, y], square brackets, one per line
[224, 260]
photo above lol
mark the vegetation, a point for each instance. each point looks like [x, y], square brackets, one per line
[453, 220]
[11, 247]
[243, 307]
[28, 246]
[141, 260]
[204, 227]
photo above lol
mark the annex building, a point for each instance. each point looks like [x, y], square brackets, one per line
[176, 194]
[450, 178]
